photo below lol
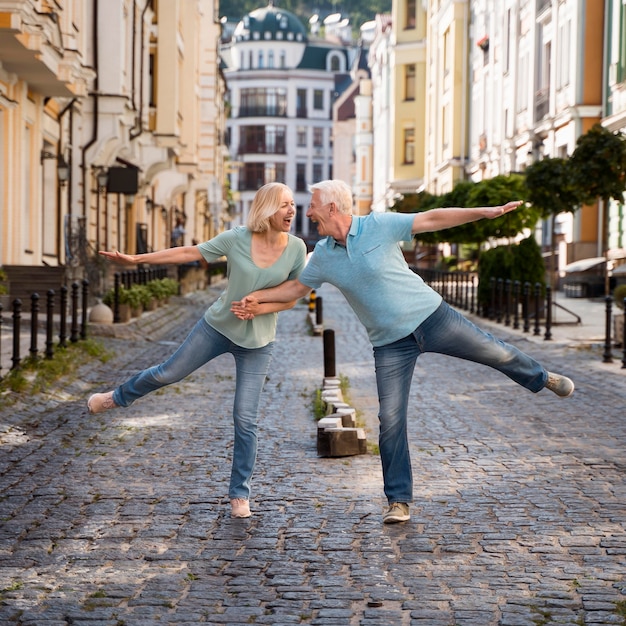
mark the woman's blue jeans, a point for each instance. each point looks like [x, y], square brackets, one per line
[201, 345]
[446, 331]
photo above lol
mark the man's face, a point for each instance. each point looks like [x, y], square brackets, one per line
[318, 212]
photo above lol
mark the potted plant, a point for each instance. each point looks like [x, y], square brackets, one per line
[619, 293]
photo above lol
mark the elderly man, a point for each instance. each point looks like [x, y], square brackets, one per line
[403, 316]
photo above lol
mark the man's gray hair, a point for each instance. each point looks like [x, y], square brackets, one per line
[336, 191]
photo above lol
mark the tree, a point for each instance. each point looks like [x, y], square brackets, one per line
[550, 187]
[599, 170]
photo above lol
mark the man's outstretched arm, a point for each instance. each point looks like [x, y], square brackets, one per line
[438, 219]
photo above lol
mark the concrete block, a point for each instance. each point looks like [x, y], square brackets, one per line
[348, 417]
[337, 442]
[330, 421]
[334, 405]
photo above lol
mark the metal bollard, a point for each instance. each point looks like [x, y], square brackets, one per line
[83, 325]
[312, 301]
[74, 327]
[548, 334]
[34, 322]
[516, 294]
[526, 307]
[116, 299]
[507, 300]
[319, 317]
[329, 353]
[63, 325]
[623, 334]
[50, 324]
[1, 322]
[607, 356]
[537, 330]
[17, 318]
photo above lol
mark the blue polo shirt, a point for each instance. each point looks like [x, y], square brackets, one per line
[370, 271]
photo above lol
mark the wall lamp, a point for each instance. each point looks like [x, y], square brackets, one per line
[102, 177]
[63, 169]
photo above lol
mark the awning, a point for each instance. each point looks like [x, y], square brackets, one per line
[584, 264]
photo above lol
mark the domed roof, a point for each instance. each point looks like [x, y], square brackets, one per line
[270, 23]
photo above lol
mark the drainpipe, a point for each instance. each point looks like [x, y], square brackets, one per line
[69, 107]
[139, 118]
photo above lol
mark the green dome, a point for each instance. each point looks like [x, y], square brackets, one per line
[270, 23]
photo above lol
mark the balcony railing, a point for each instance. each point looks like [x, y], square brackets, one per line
[261, 111]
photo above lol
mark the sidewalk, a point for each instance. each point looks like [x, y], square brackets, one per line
[123, 518]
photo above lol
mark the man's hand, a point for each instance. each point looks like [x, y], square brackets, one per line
[246, 308]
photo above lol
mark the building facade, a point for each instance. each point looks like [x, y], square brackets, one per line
[112, 122]
[282, 82]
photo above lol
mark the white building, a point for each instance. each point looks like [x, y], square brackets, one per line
[282, 84]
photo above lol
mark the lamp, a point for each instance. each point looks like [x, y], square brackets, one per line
[102, 177]
[63, 169]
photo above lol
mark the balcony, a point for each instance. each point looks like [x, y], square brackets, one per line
[263, 111]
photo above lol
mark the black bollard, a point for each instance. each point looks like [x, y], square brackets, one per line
[63, 325]
[1, 321]
[319, 317]
[623, 334]
[516, 293]
[548, 334]
[83, 324]
[50, 324]
[34, 323]
[17, 319]
[607, 356]
[507, 300]
[526, 307]
[329, 353]
[537, 330]
[312, 301]
[74, 326]
[116, 299]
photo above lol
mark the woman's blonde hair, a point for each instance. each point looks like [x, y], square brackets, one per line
[266, 202]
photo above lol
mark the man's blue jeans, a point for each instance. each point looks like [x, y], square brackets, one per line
[446, 331]
[201, 345]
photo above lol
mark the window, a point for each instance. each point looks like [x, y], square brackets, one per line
[409, 82]
[301, 136]
[300, 176]
[318, 137]
[318, 100]
[283, 60]
[317, 172]
[262, 139]
[411, 14]
[268, 102]
[270, 59]
[301, 110]
[409, 146]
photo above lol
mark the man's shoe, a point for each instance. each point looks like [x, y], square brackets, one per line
[100, 402]
[397, 512]
[240, 507]
[561, 385]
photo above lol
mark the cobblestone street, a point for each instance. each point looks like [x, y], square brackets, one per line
[123, 518]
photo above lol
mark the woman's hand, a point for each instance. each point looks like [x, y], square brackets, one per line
[245, 309]
[127, 259]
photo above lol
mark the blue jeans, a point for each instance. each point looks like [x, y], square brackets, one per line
[203, 344]
[446, 331]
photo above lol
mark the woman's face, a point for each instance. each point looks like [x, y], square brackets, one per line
[282, 219]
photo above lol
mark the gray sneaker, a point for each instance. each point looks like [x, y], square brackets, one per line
[397, 512]
[561, 385]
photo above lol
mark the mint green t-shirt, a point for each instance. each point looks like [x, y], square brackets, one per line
[244, 277]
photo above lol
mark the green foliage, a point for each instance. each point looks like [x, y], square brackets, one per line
[550, 187]
[491, 192]
[3, 279]
[141, 295]
[599, 164]
[619, 293]
[522, 262]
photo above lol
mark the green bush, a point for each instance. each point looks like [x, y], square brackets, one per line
[619, 293]
[522, 262]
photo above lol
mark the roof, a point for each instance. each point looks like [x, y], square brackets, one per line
[270, 23]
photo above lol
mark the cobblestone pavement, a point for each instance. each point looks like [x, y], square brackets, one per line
[123, 518]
